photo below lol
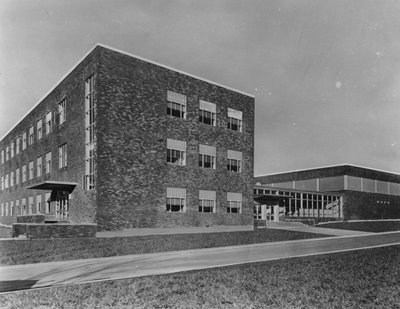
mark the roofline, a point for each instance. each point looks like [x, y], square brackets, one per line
[48, 92]
[124, 53]
[327, 166]
[173, 69]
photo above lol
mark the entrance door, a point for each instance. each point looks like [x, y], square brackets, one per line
[62, 205]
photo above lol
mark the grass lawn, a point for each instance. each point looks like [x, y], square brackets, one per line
[358, 279]
[376, 226]
[35, 251]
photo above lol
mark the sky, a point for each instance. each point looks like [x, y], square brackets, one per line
[325, 74]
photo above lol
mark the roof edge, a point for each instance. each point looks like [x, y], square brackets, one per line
[124, 53]
[48, 92]
[328, 166]
[173, 69]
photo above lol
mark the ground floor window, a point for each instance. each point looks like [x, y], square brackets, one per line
[234, 202]
[176, 200]
[207, 201]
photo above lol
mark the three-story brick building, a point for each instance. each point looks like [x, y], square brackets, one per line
[126, 142]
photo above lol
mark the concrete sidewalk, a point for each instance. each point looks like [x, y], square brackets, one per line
[129, 266]
[300, 227]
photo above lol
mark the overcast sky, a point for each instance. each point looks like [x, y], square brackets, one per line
[325, 74]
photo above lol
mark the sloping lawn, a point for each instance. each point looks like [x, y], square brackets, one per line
[358, 279]
[35, 251]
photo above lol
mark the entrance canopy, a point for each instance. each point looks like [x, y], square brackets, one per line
[54, 185]
[270, 198]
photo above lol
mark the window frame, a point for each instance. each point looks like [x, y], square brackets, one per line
[39, 129]
[176, 104]
[39, 166]
[62, 156]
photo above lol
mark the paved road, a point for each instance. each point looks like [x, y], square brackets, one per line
[129, 266]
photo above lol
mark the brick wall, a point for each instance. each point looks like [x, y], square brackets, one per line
[362, 205]
[38, 231]
[132, 133]
[72, 132]
[31, 219]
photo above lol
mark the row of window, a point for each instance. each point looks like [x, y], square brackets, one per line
[43, 126]
[176, 106]
[176, 201]
[9, 208]
[26, 172]
[176, 154]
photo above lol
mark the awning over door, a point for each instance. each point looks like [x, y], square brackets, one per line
[54, 185]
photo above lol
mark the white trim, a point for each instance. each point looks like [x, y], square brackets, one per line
[327, 166]
[173, 69]
[50, 91]
[127, 54]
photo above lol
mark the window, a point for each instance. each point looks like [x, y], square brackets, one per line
[30, 170]
[39, 126]
[48, 163]
[17, 142]
[47, 201]
[39, 167]
[2, 209]
[235, 120]
[176, 151]
[6, 182]
[11, 208]
[30, 138]
[12, 179]
[17, 206]
[30, 205]
[2, 182]
[62, 111]
[38, 203]
[234, 202]
[48, 123]
[23, 140]
[176, 104]
[90, 136]
[12, 146]
[23, 173]
[207, 156]
[176, 200]
[234, 161]
[62, 156]
[207, 112]
[6, 208]
[17, 176]
[2, 156]
[207, 201]
[23, 206]
[7, 153]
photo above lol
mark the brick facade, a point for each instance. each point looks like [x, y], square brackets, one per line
[132, 133]
[72, 132]
[132, 129]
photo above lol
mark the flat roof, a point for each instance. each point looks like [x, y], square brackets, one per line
[326, 167]
[124, 53]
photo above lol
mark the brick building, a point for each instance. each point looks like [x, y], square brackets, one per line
[126, 142]
[341, 191]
